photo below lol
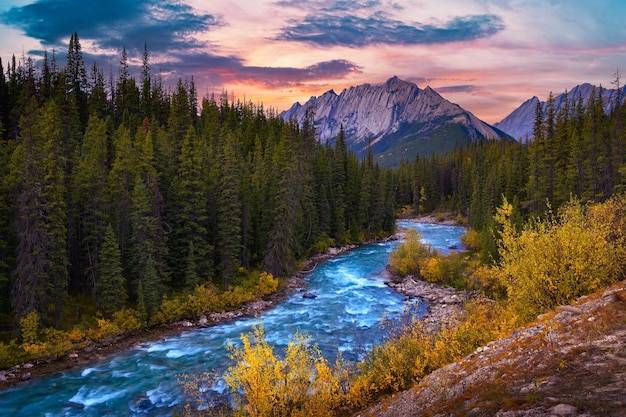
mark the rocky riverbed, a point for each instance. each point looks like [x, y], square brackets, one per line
[443, 304]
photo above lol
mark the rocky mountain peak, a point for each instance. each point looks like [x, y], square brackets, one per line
[394, 113]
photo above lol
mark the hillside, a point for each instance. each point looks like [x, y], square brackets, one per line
[399, 118]
[570, 362]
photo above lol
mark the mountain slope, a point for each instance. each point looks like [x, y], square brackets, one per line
[519, 123]
[571, 362]
[399, 118]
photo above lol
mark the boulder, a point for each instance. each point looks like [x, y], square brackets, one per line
[564, 410]
[309, 295]
[203, 320]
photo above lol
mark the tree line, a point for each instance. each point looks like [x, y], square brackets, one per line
[125, 191]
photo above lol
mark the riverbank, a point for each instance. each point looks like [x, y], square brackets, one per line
[444, 305]
[99, 351]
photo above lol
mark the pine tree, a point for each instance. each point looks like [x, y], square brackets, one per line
[88, 191]
[40, 277]
[143, 249]
[192, 217]
[339, 181]
[111, 284]
[119, 182]
[229, 210]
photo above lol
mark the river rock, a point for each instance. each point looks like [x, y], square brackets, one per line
[72, 404]
[72, 355]
[27, 365]
[564, 410]
[203, 320]
[187, 323]
[309, 295]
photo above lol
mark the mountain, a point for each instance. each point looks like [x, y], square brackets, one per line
[519, 124]
[399, 118]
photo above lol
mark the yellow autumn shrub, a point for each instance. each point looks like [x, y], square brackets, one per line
[267, 283]
[407, 258]
[555, 260]
[263, 384]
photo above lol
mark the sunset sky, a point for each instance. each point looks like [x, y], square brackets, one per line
[486, 55]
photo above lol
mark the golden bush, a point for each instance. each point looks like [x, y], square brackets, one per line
[555, 260]
[301, 384]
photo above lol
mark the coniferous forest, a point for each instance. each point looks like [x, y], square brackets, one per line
[120, 194]
[125, 203]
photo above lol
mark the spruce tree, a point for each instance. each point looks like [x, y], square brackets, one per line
[88, 193]
[111, 292]
[193, 247]
[228, 209]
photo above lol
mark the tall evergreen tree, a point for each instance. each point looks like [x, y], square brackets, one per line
[143, 250]
[40, 277]
[192, 201]
[229, 209]
[89, 199]
[111, 292]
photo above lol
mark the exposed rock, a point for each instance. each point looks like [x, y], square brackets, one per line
[187, 323]
[309, 295]
[72, 355]
[570, 309]
[564, 410]
[387, 113]
[27, 365]
[203, 321]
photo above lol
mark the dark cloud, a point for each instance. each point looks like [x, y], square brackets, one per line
[325, 29]
[163, 25]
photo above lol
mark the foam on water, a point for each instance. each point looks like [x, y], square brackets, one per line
[92, 397]
[88, 371]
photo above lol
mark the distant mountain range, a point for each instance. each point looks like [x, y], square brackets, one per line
[397, 118]
[519, 124]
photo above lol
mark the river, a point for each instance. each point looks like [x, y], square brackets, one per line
[351, 301]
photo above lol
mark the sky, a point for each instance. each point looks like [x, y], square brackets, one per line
[488, 56]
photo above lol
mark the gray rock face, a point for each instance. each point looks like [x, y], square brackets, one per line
[377, 112]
